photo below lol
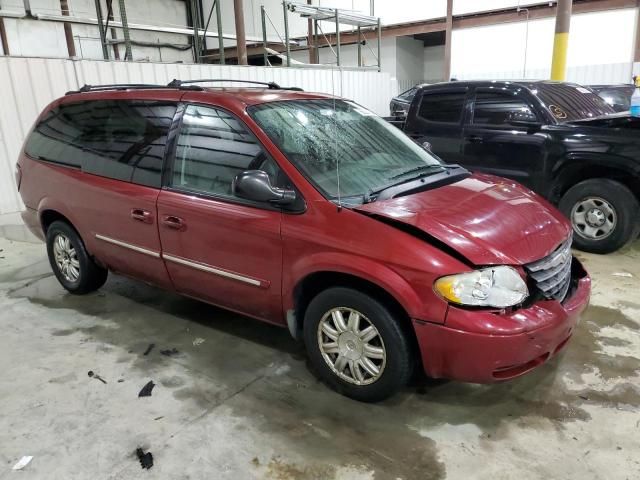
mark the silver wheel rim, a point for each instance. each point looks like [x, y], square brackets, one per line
[593, 218]
[351, 346]
[66, 258]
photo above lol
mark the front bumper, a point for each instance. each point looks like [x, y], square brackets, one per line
[485, 353]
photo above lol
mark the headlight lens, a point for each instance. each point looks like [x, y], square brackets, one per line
[498, 287]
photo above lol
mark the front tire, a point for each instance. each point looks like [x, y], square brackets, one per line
[73, 267]
[357, 345]
[603, 214]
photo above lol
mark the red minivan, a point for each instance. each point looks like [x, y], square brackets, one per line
[306, 211]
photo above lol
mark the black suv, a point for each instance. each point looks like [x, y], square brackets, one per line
[559, 139]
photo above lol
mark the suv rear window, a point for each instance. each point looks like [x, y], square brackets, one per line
[119, 139]
[568, 102]
[442, 107]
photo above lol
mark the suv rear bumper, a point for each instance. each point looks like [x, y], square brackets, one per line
[486, 358]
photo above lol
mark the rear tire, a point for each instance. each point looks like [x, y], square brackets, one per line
[73, 267]
[368, 358]
[603, 214]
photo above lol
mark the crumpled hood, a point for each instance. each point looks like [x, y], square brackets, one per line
[488, 220]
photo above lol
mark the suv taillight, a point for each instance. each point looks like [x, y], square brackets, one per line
[18, 176]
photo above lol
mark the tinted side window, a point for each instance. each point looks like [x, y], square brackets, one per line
[499, 108]
[442, 107]
[213, 147]
[123, 140]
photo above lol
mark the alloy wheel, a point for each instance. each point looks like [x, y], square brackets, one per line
[66, 258]
[351, 346]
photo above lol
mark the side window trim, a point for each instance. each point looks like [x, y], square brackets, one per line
[170, 161]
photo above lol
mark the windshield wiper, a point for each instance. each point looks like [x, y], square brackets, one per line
[367, 197]
[419, 169]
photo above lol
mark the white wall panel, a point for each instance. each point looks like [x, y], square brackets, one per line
[27, 85]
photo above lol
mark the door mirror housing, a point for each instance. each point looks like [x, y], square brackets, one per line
[255, 185]
[525, 120]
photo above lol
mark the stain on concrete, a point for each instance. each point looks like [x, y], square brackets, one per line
[172, 382]
[278, 469]
[70, 377]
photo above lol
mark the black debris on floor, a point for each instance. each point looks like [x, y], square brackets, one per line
[149, 348]
[169, 352]
[96, 376]
[146, 390]
[146, 459]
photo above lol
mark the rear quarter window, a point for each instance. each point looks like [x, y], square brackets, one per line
[119, 139]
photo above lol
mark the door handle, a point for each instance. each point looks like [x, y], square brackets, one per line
[474, 139]
[174, 222]
[141, 215]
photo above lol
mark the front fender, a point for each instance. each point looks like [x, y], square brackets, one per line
[413, 302]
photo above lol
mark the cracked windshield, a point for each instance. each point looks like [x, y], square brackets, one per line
[324, 138]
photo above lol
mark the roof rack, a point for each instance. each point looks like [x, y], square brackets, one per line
[271, 85]
[127, 86]
[175, 83]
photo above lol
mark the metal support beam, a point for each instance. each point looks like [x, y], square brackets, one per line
[195, 22]
[128, 55]
[337, 38]
[561, 40]
[3, 39]
[68, 30]
[238, 8]
[285, 11]
[315, 41]
[448, 29]
[310, 44]
[263, 16]
[359, 47]
[220, 36]
[114, 34]
[379, 45]
[636, 50]
[103, 32]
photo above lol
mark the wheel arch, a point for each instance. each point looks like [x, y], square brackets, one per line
[578, 168]
[316, 282]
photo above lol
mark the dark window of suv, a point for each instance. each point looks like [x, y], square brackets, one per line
[119, 139]
[496, 107]
[445, 107]
[212, 148]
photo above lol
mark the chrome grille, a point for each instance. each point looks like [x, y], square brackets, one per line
[552, 273]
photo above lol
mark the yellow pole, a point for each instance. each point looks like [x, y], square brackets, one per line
[561, 40]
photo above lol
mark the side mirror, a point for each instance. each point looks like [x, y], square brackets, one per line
[426, 146]
[525, 120]
[255, 185]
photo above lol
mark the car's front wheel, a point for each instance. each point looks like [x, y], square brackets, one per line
[603, 213]
[357, 345]
[73, 267]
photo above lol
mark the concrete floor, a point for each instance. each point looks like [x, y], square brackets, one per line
[239, 401]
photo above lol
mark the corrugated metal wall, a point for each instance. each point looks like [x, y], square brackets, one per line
[27, 85]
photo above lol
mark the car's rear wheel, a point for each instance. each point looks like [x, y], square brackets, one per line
[357, 345]
[73, 267]
[603, 213]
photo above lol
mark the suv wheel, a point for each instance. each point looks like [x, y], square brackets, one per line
[73, 267]
[356, 345]
[603, 213]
